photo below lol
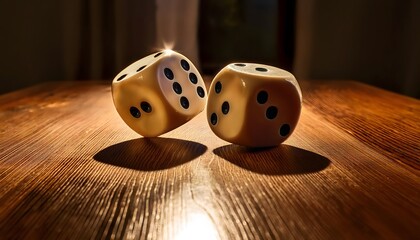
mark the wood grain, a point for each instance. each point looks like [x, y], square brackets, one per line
[385, 121]
[71, 169]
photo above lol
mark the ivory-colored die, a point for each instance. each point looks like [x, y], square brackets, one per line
[253, 105]
[158, 93]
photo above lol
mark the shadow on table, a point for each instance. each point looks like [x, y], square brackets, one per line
[281, 160]
[150, 154]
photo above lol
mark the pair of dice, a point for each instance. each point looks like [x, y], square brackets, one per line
[248, 104]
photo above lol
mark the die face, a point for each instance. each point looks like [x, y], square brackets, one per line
[225, 105]
[272, 113]
[182, 85]
[264, 72]
[269, 102]
[137, 67]
[142, 98]
[137, 104]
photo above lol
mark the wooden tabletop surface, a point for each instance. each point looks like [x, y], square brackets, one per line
[71, 168]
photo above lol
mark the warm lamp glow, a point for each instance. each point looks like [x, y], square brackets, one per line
[198, 226]
[168, 45]
[165, 46]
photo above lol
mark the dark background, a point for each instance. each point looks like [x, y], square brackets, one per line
[376, 41]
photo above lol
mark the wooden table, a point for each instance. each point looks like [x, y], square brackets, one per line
[70, 168]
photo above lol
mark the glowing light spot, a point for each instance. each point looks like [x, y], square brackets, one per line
[198, 226]
[165, 46]
[168, 45]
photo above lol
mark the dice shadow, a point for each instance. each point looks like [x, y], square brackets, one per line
[150, 154]
[281, 160]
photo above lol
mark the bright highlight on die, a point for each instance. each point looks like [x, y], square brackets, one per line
[159, 93]
[253, 105]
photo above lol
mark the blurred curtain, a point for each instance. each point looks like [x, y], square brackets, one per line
[74, 40]
[245, 31]
[102, 37]
[375, 41]
[176, 26]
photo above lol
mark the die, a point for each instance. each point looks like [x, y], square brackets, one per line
[159, 93]
[253, 105]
